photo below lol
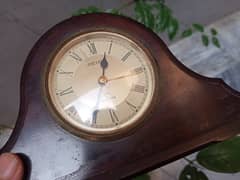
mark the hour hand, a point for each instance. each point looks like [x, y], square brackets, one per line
[104, 64]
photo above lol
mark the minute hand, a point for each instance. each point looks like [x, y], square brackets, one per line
[121, 77]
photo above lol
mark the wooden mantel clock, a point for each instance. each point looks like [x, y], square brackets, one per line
[103, 98]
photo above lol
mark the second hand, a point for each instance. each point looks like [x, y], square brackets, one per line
[101, 81]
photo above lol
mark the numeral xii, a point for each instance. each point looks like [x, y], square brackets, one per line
[92, 48]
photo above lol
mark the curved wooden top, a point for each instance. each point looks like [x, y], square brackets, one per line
[192, 112]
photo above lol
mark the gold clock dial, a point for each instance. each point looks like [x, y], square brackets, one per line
[101, 83]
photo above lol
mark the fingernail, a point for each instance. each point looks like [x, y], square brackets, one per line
[10, 166]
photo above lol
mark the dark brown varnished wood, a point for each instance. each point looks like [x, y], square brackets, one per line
[192, 110]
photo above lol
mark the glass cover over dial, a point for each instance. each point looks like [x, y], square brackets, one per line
[101, 83]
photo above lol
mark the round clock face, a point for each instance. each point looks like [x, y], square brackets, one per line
[101, 83]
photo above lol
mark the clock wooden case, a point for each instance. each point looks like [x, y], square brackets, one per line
[187, 112]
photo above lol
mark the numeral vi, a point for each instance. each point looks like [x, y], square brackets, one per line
[113, 116]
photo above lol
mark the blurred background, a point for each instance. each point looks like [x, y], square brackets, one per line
[23, 22]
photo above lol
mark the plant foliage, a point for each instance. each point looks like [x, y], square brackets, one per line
[192, 173]
[223, 157]
[205, 40]
[157, 16]
[198, 27]
[88, 10]
[142, 177]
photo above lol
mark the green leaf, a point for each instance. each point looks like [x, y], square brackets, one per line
[80, 12]
[165, 19]
[163, 16]
[205, 40]
[88, 10]
[159, 15]
[216, 42]
[173, 28]
[198, 27]
[214, 32]
[187, 33]
[93, 9]
[144, 14]
[223, 157]
[142, 177]
[201, 176]
[189, 172]
[192, 173]
[113, 11]
[161, 1]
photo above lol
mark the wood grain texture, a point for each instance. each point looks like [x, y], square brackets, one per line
[192, 112]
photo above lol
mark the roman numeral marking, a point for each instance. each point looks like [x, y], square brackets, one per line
[94, 117]
[72, 110]
[65, 92]
[113, 116]
[138, 88]
[92, 47]
[137, 70]
[75, 56]
[124, 58]
[110, 48]
[133, 107]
